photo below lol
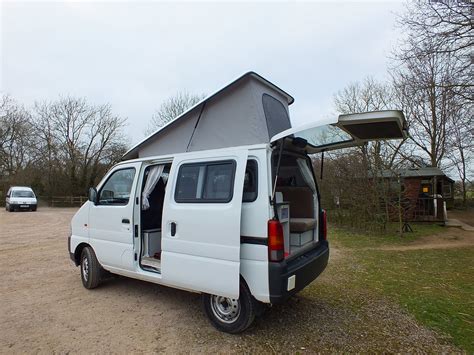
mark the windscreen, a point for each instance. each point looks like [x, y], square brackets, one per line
[324, 135]
[22, 193]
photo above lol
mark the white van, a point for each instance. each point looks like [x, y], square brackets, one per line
[242, 225]
[20, 198]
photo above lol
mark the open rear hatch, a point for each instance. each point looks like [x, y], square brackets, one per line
[347, 131]
[292, 201]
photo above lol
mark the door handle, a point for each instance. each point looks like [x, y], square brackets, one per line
[125, 220]
[173, 229]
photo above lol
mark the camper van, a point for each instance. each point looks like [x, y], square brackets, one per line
[222, 201]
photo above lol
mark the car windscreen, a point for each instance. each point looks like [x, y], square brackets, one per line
[325, 135]
[22, 193]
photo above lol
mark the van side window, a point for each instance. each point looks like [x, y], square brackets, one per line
[205, 182]
[116, 191]
[250, 181]
[275, 114]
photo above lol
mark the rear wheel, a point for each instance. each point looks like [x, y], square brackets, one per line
[228, 314]
[90, 269]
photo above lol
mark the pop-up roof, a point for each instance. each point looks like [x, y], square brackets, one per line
[250, 110]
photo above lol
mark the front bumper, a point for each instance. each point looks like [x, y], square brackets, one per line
[71, 254]
[23, 206]
[305, 268]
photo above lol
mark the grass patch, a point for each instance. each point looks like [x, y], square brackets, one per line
[350, 239]
[435, 285]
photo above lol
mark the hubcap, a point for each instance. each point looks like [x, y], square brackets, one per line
[85, 269]
[226, 309]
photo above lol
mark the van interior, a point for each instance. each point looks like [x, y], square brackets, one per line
[151, 215]
[296, 198]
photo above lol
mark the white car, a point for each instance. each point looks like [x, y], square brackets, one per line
[231, 211]
[20, 198]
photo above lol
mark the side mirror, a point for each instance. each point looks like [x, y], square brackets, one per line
[93, 195]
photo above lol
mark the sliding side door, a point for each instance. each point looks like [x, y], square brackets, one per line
[201, 222]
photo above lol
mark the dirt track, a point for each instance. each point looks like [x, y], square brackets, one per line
[44, 308]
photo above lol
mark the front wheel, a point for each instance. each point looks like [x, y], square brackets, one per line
[228, 314]
[90, 269]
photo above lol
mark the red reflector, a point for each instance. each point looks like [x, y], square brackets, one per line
[276, 242]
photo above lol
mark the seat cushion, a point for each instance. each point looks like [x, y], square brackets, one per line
[301, 225]
[300, 199]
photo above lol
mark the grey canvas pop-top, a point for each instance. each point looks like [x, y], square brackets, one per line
[250, 110]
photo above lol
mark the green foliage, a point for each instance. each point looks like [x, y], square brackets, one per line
[354, 239]
[435, 285]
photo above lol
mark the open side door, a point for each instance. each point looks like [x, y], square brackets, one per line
[348, 130]
[201, 222]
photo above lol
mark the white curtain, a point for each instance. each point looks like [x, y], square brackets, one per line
[153, 177]
[307, 174]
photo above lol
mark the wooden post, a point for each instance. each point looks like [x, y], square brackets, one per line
[400, 222]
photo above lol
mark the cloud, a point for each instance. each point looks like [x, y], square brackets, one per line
[134, 55]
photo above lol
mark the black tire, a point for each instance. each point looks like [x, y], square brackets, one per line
[33, 209]
[10, 208]
[90, 269]
[237, 323]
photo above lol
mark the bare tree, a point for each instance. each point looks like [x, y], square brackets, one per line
[105, 143]
[375, 157]
[461, 142]
[15, 137]
[423, 89]
[172, 108]
[441, 29]
[48, 147]
[446, 22]
[371, 95]
[431, 73]
[80, 138]
[433, 79]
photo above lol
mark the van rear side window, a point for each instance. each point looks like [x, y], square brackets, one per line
[211, 182]
[250, 182]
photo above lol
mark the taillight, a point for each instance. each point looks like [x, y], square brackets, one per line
[324, 225]
[276, 244]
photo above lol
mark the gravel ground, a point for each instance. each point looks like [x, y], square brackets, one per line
[44, 308]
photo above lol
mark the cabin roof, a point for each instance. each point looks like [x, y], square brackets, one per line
[417, 172]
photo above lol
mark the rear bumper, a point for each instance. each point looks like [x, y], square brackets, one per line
[304, 268]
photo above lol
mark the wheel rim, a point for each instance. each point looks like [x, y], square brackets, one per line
[85, 269]
[226, 309]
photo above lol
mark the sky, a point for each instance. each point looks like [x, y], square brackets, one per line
[135, 55]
